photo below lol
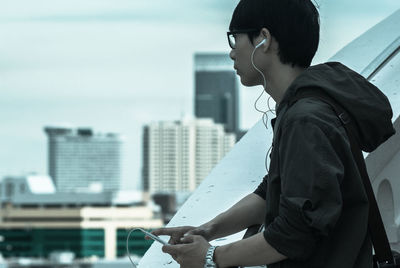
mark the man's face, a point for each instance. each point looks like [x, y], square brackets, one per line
[241, 55]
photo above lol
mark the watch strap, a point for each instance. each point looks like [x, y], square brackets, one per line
[209, 261]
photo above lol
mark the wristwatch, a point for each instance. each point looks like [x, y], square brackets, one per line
[210, 258]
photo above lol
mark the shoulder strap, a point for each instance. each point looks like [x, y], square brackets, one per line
[375, 225]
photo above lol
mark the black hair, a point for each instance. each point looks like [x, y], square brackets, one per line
[293, 23]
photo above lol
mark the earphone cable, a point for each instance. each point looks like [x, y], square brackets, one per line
[127, 245]
[265, 115]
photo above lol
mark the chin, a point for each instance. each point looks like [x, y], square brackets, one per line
[247, 83]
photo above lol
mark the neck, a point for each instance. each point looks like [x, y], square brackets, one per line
[280, 78]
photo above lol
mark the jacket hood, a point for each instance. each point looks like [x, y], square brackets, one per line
[368, 107]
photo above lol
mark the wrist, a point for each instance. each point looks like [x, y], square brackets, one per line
[219, 257]
[209, 261]
[210, 230]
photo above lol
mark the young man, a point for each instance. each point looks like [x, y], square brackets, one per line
[312, 202]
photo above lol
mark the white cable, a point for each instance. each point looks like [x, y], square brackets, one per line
[269, 107]
[265, 115]
[266, 158]
[127, 245]
[265, 121]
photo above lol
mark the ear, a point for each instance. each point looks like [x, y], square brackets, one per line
[265, 34]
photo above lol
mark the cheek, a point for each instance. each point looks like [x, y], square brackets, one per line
[244, 61]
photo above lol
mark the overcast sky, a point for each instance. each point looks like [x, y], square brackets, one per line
[115, 65]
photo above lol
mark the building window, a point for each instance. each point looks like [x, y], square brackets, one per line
[9, 189]
[22, 188]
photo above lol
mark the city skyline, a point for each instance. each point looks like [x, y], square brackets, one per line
[115, 65]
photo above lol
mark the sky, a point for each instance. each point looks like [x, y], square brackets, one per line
[115, 65]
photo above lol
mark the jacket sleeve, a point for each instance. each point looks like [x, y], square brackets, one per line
[262, 188]
[310, 201]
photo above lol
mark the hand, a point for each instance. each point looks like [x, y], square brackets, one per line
[177, 233]
[190, 254]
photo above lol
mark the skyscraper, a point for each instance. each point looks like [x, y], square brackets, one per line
[179, 155]
[79, 160]
[216, 89]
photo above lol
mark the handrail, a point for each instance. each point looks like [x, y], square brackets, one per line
[381, 59]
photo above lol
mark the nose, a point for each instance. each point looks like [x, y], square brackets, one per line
[232, 54]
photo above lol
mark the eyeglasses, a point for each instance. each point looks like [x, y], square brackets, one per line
[232, 37]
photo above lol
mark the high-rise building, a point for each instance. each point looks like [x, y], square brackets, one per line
[178, 155]
[80, 160]
[216, 89]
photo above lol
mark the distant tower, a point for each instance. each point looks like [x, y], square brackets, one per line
[216, 90]
[79, 160]
[178, 155]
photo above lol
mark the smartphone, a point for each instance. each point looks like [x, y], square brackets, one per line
[154, 237]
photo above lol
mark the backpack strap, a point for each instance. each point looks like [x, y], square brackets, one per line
[376, 228]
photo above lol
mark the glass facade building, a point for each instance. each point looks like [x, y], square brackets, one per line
[216, 89]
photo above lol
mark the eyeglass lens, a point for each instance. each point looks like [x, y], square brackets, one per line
[232, 42]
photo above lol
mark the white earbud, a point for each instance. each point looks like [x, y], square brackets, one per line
[262, 42]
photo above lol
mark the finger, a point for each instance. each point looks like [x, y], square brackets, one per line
[165, 231]
[194, 232]
[188, 239]
[148, 238]
[171, 241]
[161, 231]
[178, 260]
[171, 249]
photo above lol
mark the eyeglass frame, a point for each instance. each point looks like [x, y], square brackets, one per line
[238, 32]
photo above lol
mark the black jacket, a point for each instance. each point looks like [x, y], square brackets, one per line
[317, 209]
